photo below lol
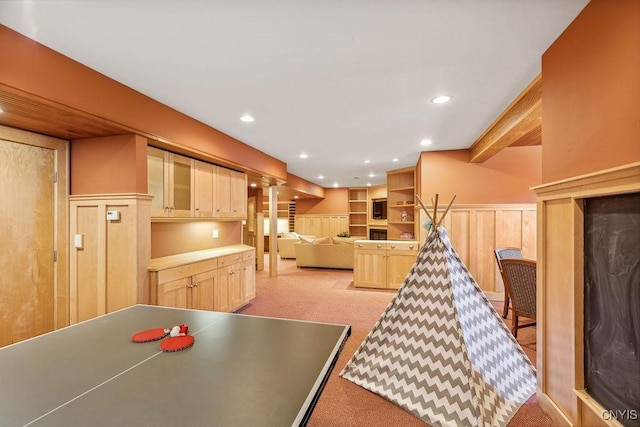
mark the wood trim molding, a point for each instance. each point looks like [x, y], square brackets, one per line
[520, 124]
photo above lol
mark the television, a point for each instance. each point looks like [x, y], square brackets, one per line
[379, 209]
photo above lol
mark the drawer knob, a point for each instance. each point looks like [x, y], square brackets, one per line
[393, 246]
[378, 246]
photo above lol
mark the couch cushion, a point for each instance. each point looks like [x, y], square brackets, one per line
[343, 240]
[322, 241]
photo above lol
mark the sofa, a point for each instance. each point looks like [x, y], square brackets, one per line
[325, 252]
[286, 242]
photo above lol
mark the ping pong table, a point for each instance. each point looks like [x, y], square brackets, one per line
[241, 371]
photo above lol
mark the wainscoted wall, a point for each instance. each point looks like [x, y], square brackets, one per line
[321, 225]
[109, 262]
[476, 230]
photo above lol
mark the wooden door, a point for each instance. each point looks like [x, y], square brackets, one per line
[176, 293]
[157, 181]
[202, 291]
[235, 285]
[398, 265]
[204, 189]
[181, 186]
[369, 268]
[27, 231]
[248, 278]
[221, 290]
[238, 195]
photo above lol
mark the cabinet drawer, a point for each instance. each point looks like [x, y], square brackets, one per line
[186, 270]
[369, 245]
[249, 255]
[229, 259]
[402, 246]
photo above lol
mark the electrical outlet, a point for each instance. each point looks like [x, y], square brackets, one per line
[215, 234]
[78, 241]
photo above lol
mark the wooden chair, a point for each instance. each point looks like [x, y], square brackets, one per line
[520, 278]
[500, 254]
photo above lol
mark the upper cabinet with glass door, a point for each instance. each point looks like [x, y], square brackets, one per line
[188, 188]
[170, 182]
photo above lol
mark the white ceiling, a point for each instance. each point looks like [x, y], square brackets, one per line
[343, 81]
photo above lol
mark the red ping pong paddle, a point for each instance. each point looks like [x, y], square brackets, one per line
[150, 335]
[177, 343]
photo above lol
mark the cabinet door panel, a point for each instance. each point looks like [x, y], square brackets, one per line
[248, 280]
[203, 290]
[204, 206]
[370, 268]
[157, 178]
[221, 291]
[398, 265]
[181, 187]
[175, 293]
[235, 286]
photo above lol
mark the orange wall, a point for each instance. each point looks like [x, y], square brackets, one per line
[169, 238]
[33, 68]
[505, 178]
[591, 92]
[336, 201]
[115, 164]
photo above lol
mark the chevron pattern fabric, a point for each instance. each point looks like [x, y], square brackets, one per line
[440, 351]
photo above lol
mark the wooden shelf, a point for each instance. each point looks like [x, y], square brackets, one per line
[401, 193]
[358, 211]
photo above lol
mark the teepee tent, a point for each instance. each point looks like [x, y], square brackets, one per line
[440, 350]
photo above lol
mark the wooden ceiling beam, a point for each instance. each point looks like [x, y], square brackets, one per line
[519, 124]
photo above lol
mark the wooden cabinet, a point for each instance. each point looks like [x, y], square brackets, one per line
[109, 272]
[204, 190]
[216, 279]
[230, 272]
[170, 180]
[400, 258]
[382, 264]
[186, 188]
[369, 268]
[231, 194]
[401, 213]
[248, 276]
[358, 212]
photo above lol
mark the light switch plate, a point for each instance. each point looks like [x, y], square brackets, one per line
[78, 241]
[113, 215]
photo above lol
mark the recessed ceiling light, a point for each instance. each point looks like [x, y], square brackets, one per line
[253, 184]
[296, 196]
[247, 118]
[441, 99]
[320, 176]
[335, 184]
[395, 160]
[426, 142]
[371, 175]
[303, 156]
[368, 184]
[367, 161]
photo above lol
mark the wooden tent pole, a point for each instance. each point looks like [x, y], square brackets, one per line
[435, 210]
[446, 211]
[424, 208]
